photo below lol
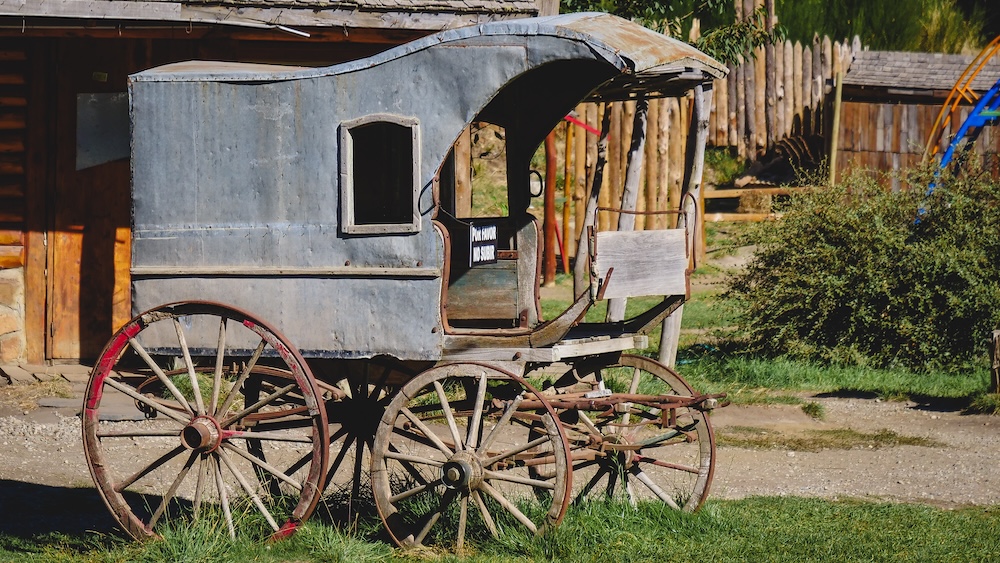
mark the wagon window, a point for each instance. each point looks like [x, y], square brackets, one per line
[380, 171]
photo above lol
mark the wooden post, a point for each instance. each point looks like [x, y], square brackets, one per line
[760, 99]
[630, 191]
[788, 79]
[797, 100]
[671, 330]
[652, 166]
[770, 84]
[549, 224]
[807, 107]
[567, 210]
[750, 95]
[781, 96]
[463, 174]
[579, 176]
[835, 135]
[663, 149]
[995, 362]
[580, 278]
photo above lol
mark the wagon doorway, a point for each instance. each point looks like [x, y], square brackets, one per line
[88, 238]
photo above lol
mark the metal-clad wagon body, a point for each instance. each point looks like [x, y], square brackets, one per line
[237, 171]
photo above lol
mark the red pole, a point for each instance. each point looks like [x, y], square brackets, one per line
[549, 223]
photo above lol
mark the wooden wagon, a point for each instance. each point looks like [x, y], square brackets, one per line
[412, 353]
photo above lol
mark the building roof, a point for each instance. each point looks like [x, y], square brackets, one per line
[915, 72]
[388, 14]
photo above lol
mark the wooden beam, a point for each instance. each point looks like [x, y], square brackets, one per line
[736, 217]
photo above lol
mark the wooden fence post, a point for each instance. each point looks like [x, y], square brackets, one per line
[995, 362]
[697, 139]
[580, 280]
[630, 191]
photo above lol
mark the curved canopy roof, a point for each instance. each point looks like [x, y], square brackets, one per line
[641, 60]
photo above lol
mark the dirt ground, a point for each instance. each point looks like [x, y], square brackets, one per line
[45, 486]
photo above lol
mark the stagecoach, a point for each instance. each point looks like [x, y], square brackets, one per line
[317, 320]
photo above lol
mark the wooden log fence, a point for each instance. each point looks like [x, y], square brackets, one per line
[801, 78]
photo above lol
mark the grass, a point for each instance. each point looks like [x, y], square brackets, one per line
[753, 529]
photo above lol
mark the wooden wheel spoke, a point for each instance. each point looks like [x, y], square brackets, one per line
[449, 416]
[472, 439]
[199, 487]
[153, 466]
[195, 388]
[509, 507]
[659, 492]
[230, 420]
[413, 471]
[238, 384]
[220, 485]
[254, 497]
[427, 432]
[263, 465]
[504, 419]
[269, 436]
[516, 450]
[137, 433]
[435, 516]
[160, 375]
[505, 476]
[172, 490]
[220, 358]
[463, 517]
[667, 464]
[487, 517]
[412, 459]
[414, 491]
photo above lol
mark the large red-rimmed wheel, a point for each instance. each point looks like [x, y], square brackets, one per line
[197, 411]
[633, 451]
[453, 457]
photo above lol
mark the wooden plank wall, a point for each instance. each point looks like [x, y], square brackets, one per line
[885, 136]
[13, 119]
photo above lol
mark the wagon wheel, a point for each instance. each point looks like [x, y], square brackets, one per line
[366, 389]
[452, 454]
[198, 429]
[636, 452]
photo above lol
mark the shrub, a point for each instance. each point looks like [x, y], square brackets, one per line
[847, 275]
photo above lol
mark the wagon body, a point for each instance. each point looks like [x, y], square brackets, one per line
[243, 174]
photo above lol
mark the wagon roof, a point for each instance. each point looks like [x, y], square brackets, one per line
[646, 61]
[388, 14]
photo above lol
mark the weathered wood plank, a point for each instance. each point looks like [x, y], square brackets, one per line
[643, 262]
[488, 291]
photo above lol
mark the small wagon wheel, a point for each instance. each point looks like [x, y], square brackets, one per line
[225, 421]
[633, 451]
[452, 457]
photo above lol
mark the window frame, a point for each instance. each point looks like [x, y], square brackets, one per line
[347, 219]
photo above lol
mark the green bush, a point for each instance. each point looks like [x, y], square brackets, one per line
[847, 276]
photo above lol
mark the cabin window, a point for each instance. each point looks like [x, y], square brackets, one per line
[380, 173]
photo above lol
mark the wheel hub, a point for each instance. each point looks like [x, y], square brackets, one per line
[621, 457]
[202, 434]
[462, 472]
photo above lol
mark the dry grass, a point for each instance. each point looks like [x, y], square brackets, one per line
[816, 440]
[25, 397]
